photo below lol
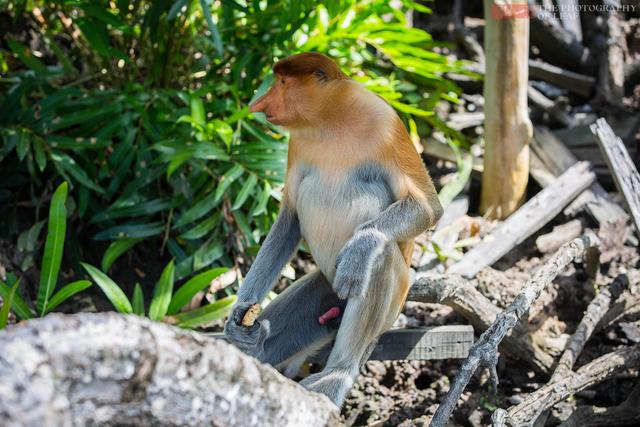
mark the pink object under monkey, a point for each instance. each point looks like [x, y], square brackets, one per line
[332, 313]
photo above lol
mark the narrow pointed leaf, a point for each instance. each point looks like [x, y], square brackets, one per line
[115, 250]
[112, 291]
[207, 314]
[162, 293]
[20, 307]
[67, 292]
[53, 247]
[7, 301]
[194, 285]
[138, 300]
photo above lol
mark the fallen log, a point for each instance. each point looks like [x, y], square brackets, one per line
[479, 311]
[109, 369]
[534, 214]
[592, 373]
[621, 166]
[552, 158]
[577, 83]
[485, 351]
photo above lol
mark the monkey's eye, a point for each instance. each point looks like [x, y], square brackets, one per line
[282, 81]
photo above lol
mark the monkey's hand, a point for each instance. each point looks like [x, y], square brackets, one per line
[249, 339]
[355, 263]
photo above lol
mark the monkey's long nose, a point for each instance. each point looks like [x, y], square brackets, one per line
[257, 106]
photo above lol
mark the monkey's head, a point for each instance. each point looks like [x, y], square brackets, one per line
[300, 91]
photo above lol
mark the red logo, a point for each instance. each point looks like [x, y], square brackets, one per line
[510, 11]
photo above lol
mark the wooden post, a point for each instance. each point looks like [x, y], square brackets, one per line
[507, 126]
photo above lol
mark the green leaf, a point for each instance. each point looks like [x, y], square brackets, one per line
[53, 247]
[215, 34]
[138, 300]
[197, 111]
[194, 285]
[162, 293]
[245, 191]
[20, 307]
[130, 231]
[7, 302]
[148, 207]
[209, 252]
[111, 290]
[68, 164]
[38, 152]
[203, 228]
[198, 210]
[115, 250]
[229, 176]
[67, 292]
[207, 314]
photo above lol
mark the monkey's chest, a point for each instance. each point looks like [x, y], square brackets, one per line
[329, 210]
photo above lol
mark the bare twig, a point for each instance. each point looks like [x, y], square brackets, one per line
[596, 309]
[592, 373]
[485, 351]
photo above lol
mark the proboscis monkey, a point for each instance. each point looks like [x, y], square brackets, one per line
[358, 193]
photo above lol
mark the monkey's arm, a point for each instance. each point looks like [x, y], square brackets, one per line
[401, 221]
[277, 249]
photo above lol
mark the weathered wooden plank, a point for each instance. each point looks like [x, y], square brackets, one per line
[579, 84]
[622, 168]
[550, 158]
[534, 214]
[439, 342]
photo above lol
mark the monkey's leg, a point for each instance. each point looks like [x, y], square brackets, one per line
[364, 320]
[291, 320]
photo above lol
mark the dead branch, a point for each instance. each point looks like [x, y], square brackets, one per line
[108, 369]
[621, 166]
[596, 309]
[560, 46]
[485, 351]
[479, 311]
[577, 83]
[625, 414]
[592, 373]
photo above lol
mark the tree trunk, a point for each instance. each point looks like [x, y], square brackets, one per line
[507, 126]
[106, 369]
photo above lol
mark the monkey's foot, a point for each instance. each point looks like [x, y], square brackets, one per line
[335, 384]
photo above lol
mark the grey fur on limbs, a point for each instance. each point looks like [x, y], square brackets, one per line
[278, 247]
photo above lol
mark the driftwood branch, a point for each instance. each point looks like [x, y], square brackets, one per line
[109, 369]
[592, 373]
[594, 313]
[534, 214]
[555, 158]
[485, 351]
[459, 294]
[621, 166]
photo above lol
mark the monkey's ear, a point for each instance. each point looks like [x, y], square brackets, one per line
[321, 75]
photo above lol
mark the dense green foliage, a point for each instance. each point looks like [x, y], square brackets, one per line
[142, 108]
